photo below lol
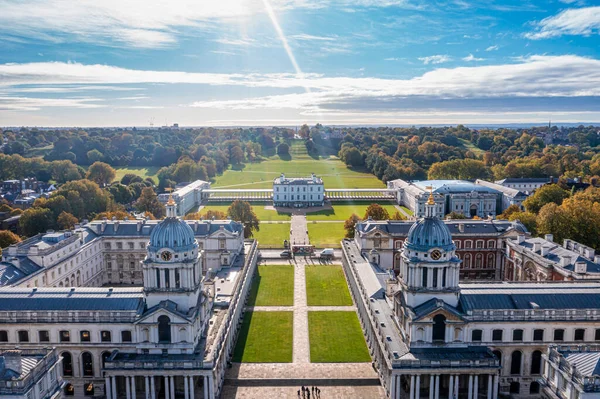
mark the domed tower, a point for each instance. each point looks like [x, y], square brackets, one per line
[429, 266]
[173, 265]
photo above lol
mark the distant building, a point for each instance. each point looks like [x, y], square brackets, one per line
[30, 373]
[525, 184]
[480, 198]
[186, 197]
[542, 259]
[572, 372]
[298, 192]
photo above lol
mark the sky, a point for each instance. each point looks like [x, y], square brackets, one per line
[289, 62]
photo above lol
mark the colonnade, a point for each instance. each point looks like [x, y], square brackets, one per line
[151, 383]
[452, 388]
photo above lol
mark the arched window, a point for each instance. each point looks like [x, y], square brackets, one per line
[377, 240]
[536, 362]
[498, 354]
[164, 329]
[67, 364]
[534, 387]
[515, 363]
[479, 261]
[87, 362]
[424, 282]
[490, 261]
[467, 261]
[439, 328]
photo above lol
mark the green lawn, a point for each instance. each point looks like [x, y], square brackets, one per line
[336, 337]
[407, 210]
[344, 210]
[140, 171]
[273, 285]
[472, 147]
[271, 235]
[334, 172]
[262, 213]
[326, 286]
[265, 337]
[326, 235]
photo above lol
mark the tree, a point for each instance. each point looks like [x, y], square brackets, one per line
[352, 156]
[455, 215]
[459, 169]
[8, 238]
[85, 198]
[528, 219]
[66, 221]
[236, 155]
[509, 211]
[94, 156]
[283, 149]
[129, 178]
[545, 195]
[376, 212]
[101, 173]
[304, 131]
[35, 220]
[121, 193]
[350, 225]
[148, 202]
[209, 215]
[398, 216]
[242, 212]
[118, 215]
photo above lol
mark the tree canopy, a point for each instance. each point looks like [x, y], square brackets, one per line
[242, 212]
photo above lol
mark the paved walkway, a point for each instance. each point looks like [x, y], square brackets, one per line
[299, 230]
[327, 392]
[301, 344]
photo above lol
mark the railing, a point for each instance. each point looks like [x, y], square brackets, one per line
[154, 364]
[41, 368]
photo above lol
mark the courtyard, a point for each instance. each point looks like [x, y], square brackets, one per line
[265, 337]
[273, 285]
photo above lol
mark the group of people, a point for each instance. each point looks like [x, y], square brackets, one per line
[305, 392]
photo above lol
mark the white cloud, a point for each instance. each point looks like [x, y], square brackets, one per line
[492, 48]
[308, 38]
[35, 104]
[575, 21]
[471, 57]
[435, 59]
[139, 23]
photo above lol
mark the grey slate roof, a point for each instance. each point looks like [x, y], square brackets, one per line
[130, 227]
[426, 308]
[524, 180]
[471, 227]
[55, 299]
[556, 252]
[587, 363]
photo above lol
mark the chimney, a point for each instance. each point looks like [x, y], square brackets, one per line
[461, 227]
[521, 238]
[139, 225]
[589, 253]
[12, 360]
[549, 237]
[580, 267]
[537, 247]
[116, 225]
[544, 251]
[565, 260]
[597, 259]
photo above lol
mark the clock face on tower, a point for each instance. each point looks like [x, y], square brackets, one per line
[166, 256]
[435, 254]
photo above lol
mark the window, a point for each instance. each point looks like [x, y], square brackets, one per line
[105, 336]
[579, 334]
[84, 336]
[597, 334]
[498, 354]
[559, 335]
[88, 364]
[44, 336]
[125, 336]
[497, 335]
[479, 244]
[88, 389]
[468, 244]
[439, 328]
[67, 364]
[515, 363]
[518, 335]
[69, 390]
[536, 362]
[534, 387]
[476, 335]
[515, 387]
[3, 336]
[538, 335]
[164, 329]
[64, 336]
[23, 336]
[491, 244]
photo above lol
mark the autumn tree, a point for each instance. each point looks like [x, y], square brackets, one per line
[208, 215]
[509, 211]
[148, 202]
[459, 169]
[528, 219]
[35, 220]
[304, 131]
[455, 215]
[242, 212]
[350, 225]
[398, 216]
[376, 212]
[118, 215]
[545, 195]
[66, 221]
[101, 173]
[8, 238]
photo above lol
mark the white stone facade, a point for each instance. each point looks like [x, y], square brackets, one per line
[298, 192]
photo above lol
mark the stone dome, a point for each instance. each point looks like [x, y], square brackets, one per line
[429, 233]
[174, 234]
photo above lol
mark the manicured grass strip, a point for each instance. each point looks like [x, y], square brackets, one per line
[326, 286]
[265, 337]
[273, 285]
[271, 235]
[345, 210]
[326, 235]
[336, 337]
[259, 209]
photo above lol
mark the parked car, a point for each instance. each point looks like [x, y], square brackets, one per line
[327, 253]
[286, 254]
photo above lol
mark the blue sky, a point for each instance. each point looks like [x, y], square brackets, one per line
[287, 62]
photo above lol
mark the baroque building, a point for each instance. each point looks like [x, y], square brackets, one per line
[169, 337]
[298, 192]
[431, 336]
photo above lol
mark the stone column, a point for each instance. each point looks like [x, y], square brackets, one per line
[470, 392]
[476, 386]
[167, 387]
[152, 388]
[456, 377]
[451, 387]
[133, 393]
[107, 390]
[211, 389]
[490, 387]
[495, 394]
[437, 387]
[418, 387]
[114, 387]
[192, 394]
[393, 386]
[205, 385]
[186, 387]
[127, 388]
[172, 393]
[412, 387]
[147, 387]
[431, 389]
